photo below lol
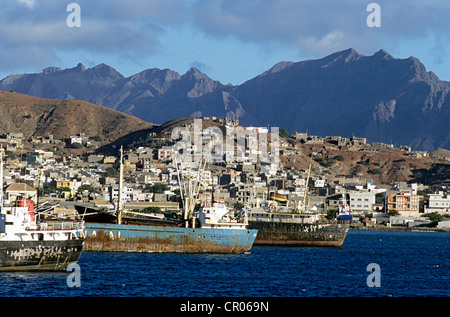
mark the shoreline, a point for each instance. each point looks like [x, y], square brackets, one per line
[398, 228]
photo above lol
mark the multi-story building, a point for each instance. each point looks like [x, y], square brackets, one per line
[58, 183]
[127, 193]
[405, 202]
[16, 190]
[362, 201]
[165, 153]
[241, 192]
[439, 203]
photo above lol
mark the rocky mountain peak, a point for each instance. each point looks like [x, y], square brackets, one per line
[383, 55]
[103, 70]
[51, 69]
[79, 68]
[195, 74]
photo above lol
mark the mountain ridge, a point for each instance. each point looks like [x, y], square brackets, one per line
[380, 97]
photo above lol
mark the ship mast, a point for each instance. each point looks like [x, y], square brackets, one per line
[120, 202]
[306, 187]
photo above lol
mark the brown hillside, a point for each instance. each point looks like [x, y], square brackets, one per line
[382, 167]
[63, 118]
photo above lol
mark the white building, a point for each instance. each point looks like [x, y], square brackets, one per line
[205, 178]
[319, 183]
[438, 202]
[76, 139]
[127, 193]
[361, 201]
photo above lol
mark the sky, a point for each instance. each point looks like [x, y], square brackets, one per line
[229, 40]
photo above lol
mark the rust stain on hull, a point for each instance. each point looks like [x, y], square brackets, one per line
[161, 239]
[293, 243]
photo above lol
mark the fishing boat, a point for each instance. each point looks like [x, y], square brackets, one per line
[212, 229]
[28, 242]
[344, 213]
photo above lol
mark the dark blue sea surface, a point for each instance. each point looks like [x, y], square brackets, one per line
[410, 264]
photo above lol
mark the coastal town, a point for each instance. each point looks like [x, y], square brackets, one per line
[382, 193]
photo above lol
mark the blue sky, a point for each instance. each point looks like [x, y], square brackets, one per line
[229, 40]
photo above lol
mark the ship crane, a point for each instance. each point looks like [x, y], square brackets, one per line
[189, 187]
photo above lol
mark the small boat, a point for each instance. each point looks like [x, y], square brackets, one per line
[344, 213]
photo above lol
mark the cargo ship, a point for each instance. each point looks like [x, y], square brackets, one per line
[212, 229]
[277, 224]
[293, 229]
[29, 243]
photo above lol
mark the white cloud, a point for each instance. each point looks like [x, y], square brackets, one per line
[331, 42]
[320, 27]
[28, 3]
[314, 26]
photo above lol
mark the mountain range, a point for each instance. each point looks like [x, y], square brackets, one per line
[382, 98]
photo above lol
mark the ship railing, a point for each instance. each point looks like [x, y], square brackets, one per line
[240, 220]
[60, 225]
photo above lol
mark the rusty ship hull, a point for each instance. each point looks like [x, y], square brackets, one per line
[160, 239]
[296, 234]
[39, 255]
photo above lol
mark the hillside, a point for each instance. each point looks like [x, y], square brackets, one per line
[34, 117]
[382, 166]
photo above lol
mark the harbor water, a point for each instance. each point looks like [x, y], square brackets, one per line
[369, 264]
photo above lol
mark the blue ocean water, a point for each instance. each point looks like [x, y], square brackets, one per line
[410, 264]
